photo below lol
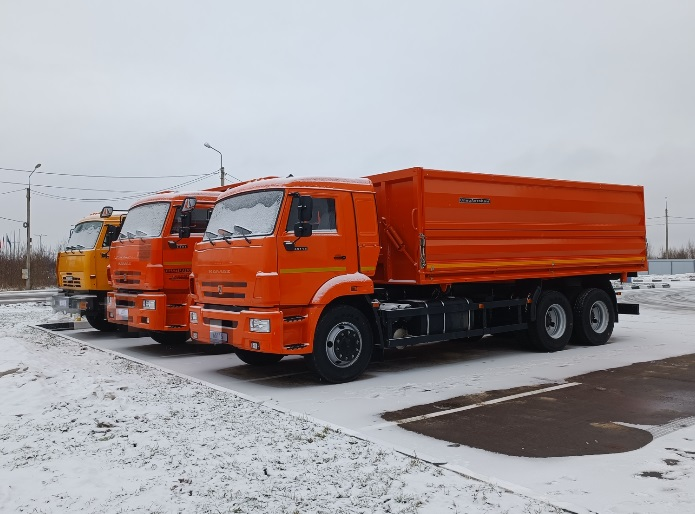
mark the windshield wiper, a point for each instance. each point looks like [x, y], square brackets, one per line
[243, 231]
[226, 235]
[141, 234]
[211, 236]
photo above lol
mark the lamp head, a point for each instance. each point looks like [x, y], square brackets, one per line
[36, 167]
[206, 145]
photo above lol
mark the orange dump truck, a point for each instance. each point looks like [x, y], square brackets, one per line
[150, 263]
[338, 270]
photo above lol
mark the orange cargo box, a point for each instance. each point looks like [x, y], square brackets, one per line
[447, 227]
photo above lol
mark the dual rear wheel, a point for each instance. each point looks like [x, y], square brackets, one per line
[589, 322]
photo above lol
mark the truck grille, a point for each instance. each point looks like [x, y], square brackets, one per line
[229, 290]
[126, 277]
[71, 281]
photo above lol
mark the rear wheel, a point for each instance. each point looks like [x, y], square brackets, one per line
[552, 329]
[100, 323]
[258, 358]
[342, 344]
[594, 317]
[170, 338]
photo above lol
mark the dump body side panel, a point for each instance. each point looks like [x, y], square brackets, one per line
[447, 227]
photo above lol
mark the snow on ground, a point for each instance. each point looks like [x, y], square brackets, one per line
[85, 431]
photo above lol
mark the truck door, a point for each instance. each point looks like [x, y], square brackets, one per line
[329, 252]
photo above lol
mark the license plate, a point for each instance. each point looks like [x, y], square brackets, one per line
[122, 314]
[218, 337]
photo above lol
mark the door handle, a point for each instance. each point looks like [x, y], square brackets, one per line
[340, 257]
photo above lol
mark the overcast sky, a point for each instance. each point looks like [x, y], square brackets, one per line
[583, 90]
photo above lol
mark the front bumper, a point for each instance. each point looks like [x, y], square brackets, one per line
[289, 335]
[75, 304]
[128, 309]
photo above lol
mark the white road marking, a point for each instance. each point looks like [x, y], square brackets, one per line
[469, 407]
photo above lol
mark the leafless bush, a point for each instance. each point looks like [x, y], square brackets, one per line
[43, 268]
[686, 251]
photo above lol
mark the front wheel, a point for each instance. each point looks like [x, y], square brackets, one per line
[101, 323]
[594, 317]
[170, 338]
[552, 329]
[342, 344]
[257, 358]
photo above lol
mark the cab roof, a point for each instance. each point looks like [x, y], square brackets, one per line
[358, 185]
[173, 196]
[95, 216]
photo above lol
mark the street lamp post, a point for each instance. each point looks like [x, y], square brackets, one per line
[29, 228]
[207, 145]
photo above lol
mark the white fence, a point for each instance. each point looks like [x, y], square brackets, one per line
[671, 266]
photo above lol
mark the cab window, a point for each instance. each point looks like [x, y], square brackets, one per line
[111, 235]
[322, 218]
[199, 220]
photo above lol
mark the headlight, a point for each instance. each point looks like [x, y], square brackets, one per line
[259, 325]
[194, 317]
[149, 304]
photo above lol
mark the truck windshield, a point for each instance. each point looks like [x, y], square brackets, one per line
[145, 221]
[250, 214]
[84, 236]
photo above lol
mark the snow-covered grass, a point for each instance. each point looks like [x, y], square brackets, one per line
[85, 431]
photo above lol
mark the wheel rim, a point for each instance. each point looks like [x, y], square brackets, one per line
[555, 321]
[599, 317]
[344, 345]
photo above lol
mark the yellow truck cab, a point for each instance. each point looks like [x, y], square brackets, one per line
[81, 267]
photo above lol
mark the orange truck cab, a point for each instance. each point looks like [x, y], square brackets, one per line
[339, 270]
[150, 263]
[81, 268]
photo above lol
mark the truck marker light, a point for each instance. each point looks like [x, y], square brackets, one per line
[194, 335]
[109, 300]
[193, 317]
[255, 345]
[149, 304]
[259, 325]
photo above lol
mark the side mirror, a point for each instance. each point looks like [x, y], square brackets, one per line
[188, 204]
[305, 209]
[106, 212]
[185, 228]
[302, 229]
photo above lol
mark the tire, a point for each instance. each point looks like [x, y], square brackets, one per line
[553, 326]
[100, 323]
[258, 358]
[342, 345]
[170, 338]
[594, 317]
